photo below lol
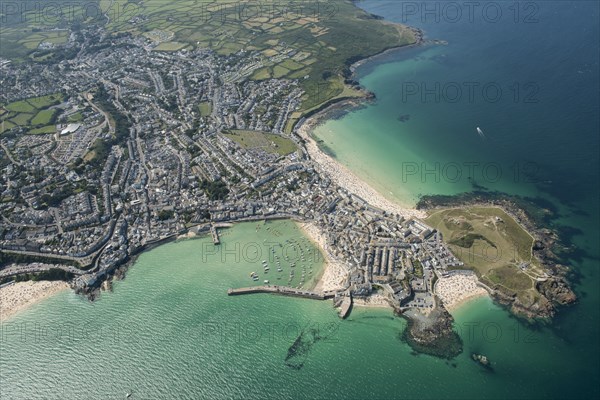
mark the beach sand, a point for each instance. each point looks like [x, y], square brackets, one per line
[335, 272]
[456, 290]
[188, 235]
[21, 295]
[346, 179]
[374, 300]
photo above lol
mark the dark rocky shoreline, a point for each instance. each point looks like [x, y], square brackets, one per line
[557, 290]
[433, 334]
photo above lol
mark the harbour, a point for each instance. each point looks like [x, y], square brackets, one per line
[170, 331]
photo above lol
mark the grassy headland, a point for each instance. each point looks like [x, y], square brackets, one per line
[501, 252]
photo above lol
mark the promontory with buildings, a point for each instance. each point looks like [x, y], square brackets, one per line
[120, 144]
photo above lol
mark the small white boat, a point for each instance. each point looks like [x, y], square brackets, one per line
[480, 132]
[266, 281]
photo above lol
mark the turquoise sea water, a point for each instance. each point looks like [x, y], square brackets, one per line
[170, 331]
[541, 140]
[531, 87]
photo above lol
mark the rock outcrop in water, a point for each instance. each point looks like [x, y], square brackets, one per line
[482, 360]
[432, 334]
[298, 352]
[557, 290]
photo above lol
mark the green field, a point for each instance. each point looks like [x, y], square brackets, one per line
[6, 125]
[43, 130]
[491, 243]
[20, 107]
[279, 71]
[205, 108]
[32, 114]
[43, 117]
[170, 46]
[269, 142]
[261, 74]
[33, 40]
[21, 119]
[46, 101]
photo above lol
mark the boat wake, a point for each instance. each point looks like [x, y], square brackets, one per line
[480, 133]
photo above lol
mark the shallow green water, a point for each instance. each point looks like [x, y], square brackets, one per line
[417, 140]
[170, 331]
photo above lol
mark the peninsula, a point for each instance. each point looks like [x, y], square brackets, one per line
[119, 135]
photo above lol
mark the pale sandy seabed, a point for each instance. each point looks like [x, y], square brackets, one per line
[454, 291]
[346, 179]
[18, 296]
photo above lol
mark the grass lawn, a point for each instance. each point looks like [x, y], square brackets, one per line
[77, 117]
[269, 142]
[43, 117]
[490, 242]
[43, 130]
[205, 108]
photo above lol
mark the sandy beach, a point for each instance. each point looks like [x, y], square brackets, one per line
[188, 235]
[335, 272]
[456, 290]
[20, 295]
[374, 300]
[346, 179]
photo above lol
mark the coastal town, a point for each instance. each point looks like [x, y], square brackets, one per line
[298, 199]
[147, 145]
[114, 143]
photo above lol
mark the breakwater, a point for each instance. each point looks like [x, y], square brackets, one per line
[282, 290]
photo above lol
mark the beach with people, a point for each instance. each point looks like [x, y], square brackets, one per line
[335, 272]
[18, 296]
[458, 289]
[343, 177]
